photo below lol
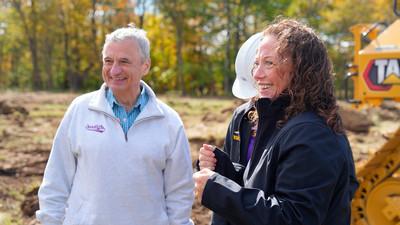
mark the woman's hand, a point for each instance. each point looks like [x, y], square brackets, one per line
[207, 157]
[200, 179]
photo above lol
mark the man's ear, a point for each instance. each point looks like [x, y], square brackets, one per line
[146, 67]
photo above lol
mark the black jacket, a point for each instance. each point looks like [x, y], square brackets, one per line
[238, 135]
[235, 146]
[302, 173]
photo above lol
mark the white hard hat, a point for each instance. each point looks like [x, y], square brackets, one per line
[245, 86]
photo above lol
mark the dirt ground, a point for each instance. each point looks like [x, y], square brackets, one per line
[28, 122]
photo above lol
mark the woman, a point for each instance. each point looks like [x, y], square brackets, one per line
[240, 136]
[239, 140]
[301, 170]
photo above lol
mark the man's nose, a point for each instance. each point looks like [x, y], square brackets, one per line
[115, 69]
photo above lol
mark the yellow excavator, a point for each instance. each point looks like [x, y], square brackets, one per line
[375, 75]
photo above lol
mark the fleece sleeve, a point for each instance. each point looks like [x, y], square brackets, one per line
[178, 182]
[58, 176]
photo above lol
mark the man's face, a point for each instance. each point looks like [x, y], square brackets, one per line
[123, 66]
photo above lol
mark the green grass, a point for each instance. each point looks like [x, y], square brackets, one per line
[36, 139]
[197, 106]
[5, 219]
[16, 194]
[49, 110]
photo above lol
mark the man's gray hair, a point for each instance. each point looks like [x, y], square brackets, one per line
[132, 33]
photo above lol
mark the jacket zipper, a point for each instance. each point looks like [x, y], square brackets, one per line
[117, 120]
[137, 122]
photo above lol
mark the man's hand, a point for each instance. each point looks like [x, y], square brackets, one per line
[200, 179]
[207, 157]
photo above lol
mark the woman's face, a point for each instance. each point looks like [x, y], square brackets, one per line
[271, 72]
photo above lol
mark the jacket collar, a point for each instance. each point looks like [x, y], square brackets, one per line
[152, 108]
[267, 108]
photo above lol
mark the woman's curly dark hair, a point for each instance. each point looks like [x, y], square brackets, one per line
[311, 86]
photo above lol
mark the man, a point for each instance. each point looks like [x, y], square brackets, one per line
[120, 155]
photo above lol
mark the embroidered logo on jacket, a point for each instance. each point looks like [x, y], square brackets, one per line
[236, 136]
[96, 128]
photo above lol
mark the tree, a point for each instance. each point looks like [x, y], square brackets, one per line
[175, 10]
[29, 22]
